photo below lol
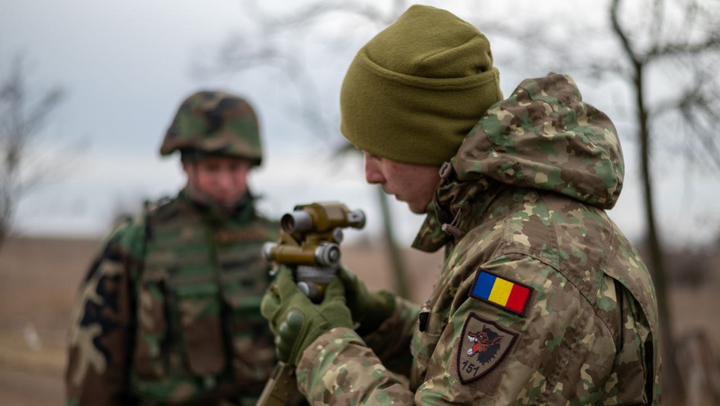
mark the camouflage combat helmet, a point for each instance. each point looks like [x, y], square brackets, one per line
[214, 123]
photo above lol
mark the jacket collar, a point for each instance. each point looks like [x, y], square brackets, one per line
[457, 207]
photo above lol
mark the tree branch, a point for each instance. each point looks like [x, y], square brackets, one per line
[37, 116]
[623, 36]
[311, 12]
[19, 125]
[597, 70]
[678, 49]
[706, 137]
[655, 27]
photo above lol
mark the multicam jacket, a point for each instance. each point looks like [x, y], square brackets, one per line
[169, 312]
[541, 299]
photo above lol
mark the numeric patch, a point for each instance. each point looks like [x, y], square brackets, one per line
[482, 346]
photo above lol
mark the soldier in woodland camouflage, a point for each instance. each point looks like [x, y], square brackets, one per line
[169, 311]
[541, 300]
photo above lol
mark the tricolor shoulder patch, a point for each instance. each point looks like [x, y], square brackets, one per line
[501, 292]
[482, 346]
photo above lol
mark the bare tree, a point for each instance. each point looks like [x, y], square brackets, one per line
[683, 39]
[21, 121]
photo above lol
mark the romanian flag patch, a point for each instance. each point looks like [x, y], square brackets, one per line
[501, 292]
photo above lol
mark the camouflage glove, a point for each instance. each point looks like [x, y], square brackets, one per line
[296, 321]
[368, 309]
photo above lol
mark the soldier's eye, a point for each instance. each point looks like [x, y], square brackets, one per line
[372, 156]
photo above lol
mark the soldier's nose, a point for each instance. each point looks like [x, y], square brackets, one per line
[373, 177]
[225, 181]
[373, 174]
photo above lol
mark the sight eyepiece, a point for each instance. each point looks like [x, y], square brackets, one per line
[296, 222]
[356, 219]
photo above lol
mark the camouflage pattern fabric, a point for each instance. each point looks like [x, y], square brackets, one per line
[215, 123]
[524, 200]
[170, 311]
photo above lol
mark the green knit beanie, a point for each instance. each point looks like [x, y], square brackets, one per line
[415, 90]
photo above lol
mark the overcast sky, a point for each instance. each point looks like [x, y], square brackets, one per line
[127, 65]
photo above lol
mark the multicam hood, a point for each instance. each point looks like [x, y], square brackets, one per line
[212, 122]
[545, 137]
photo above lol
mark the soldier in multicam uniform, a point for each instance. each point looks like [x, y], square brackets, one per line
[169, 311]
[541, 300]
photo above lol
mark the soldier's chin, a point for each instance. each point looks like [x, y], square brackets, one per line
[417, 208]
[227, 201]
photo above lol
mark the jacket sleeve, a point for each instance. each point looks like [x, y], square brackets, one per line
[102, 326]
[555, 351]
[390, 341]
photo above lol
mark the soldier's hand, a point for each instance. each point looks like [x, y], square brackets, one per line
[296, 321]
[369, 309]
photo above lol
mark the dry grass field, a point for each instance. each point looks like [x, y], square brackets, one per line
[39, 278]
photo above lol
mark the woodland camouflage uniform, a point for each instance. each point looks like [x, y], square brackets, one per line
[521, 205]
[169, 310]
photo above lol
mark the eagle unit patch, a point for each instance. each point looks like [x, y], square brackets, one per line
[483, 345]
[501, 292]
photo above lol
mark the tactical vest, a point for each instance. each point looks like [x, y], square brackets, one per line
[200, 335]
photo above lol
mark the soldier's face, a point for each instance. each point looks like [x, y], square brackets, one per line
[223, 179]
[410, 183]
